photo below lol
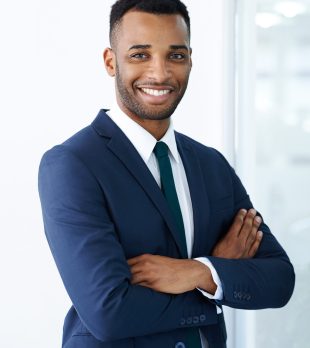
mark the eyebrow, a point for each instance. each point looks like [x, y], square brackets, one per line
[179, 47]
[145, 47]
[139, 47]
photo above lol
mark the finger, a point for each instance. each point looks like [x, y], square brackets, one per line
[138, 278]
[253, 250]
[252, 236]
[246, 228]
[136, 269]
[137, 259]
[133, 261]
[238, 222]
[141, 266]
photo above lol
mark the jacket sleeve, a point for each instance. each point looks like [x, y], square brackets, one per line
[265, 281]
[92, 263]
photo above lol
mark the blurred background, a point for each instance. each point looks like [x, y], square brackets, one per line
[248, 97]
[282, 155]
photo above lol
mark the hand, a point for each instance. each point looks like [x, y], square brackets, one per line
[243, 238]
[168, 275]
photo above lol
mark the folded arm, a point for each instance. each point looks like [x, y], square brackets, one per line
[254, 270]
[92, 263]
[264, 280]
[177, 276]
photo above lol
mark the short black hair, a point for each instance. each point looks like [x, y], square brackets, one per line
[170, 7]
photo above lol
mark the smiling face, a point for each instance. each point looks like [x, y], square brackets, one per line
[151, 60]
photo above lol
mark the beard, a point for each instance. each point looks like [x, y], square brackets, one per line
[139, 109]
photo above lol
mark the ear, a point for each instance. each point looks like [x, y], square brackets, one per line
[109, 61]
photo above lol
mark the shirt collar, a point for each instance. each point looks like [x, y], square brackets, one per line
[169, 140]
[142, 140]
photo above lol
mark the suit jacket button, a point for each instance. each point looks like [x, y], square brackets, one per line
[195, 320]
[235, 294]
[182, 321]
[202, 317]
[240, 295]
[189, 320]
[180, 345]
[248, 297]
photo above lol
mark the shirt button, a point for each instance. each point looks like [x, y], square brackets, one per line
[180, 345]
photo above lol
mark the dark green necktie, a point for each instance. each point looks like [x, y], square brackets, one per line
[170, 193]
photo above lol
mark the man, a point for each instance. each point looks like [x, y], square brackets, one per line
[151, 231]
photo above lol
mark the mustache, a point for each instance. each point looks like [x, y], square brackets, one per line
[146, 84]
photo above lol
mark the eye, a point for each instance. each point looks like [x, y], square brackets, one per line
[177, 56]
[139, 56]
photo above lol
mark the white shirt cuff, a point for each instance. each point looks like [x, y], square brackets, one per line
[219, 291]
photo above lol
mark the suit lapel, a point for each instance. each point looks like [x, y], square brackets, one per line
[199, 197]
[123, 149]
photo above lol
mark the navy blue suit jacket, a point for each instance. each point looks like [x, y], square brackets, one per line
[102, 206]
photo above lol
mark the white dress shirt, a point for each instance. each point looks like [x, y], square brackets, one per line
[144, 143]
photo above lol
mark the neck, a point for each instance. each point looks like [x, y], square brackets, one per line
[157, 128]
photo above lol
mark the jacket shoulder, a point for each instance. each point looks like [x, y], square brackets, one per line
[204, 152]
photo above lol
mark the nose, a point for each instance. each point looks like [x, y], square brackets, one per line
[159, 70]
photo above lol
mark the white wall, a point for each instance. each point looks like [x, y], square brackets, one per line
[52, 84]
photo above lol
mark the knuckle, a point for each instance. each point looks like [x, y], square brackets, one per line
[251, 238]
[256, 223]
[238, 222]
[248, 222]
[240, 219]
[254, 233]
[151, 275]
[240, 248]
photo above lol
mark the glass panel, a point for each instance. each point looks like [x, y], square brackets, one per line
[282, 123]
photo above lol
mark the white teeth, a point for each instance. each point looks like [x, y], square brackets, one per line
[155, 92]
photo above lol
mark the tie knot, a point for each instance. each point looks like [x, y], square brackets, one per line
[161, 149]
